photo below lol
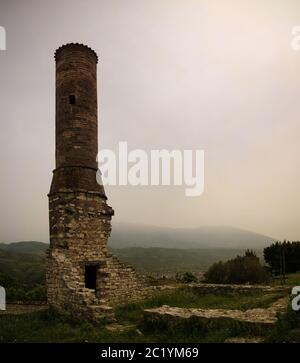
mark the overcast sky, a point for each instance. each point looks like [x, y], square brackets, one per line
[218, 75]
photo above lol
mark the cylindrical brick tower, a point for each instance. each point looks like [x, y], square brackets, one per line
[76, 120]
[81, 273]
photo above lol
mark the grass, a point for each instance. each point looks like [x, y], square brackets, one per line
[190, 298]
[48, 326]
[287, 328]
[291, 280]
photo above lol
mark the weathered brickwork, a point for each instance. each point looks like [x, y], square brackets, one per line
[83, 277]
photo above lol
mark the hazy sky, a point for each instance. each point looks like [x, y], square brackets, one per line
[218, 75]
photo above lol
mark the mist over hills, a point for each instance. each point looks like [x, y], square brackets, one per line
[147, 248]
[25, 261]
[126, 235]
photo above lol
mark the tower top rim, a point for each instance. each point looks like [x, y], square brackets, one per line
[79, 45]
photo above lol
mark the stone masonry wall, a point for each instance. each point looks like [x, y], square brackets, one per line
[79, 227]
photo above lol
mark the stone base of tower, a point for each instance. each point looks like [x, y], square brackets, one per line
[83, 277]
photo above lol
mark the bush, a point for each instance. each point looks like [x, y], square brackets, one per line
[241, 270]
[187, 278]
[38, 293]
[287, 329]
[5, 279]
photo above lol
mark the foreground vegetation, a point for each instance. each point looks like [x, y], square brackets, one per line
[22, 272]
[287, 329]
[290, 280]
[48, 326]
[191, 298]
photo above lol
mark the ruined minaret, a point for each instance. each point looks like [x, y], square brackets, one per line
[82, 276]
[76, 120]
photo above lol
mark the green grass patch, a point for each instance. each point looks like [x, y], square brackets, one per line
[48, 326]
[291, 280]
[191, 298]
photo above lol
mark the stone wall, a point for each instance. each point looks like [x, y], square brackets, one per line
[229, 289]
[80, 224]
[168, 318]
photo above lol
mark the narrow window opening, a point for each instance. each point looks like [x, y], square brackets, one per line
[90, 276]
[72, 99]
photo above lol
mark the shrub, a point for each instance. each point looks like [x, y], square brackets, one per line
[240, 270]
[216, 273]
[5, 280]
[187, 278]
[38, 293]
[287, 329]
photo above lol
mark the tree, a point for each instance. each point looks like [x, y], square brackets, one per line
[240, 270]
[283, 252]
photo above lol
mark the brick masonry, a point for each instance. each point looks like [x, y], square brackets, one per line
[80, 218]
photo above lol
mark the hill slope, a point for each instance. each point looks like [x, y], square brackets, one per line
[131, 235]
[24, 262]
[161, 260]
[32, 247]
[149, 249]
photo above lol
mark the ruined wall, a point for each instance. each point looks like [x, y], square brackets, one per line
[80, 224]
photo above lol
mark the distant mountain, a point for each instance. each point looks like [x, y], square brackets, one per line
[147, 248]
[156, 260]
[24, 262]
[131, 235]
[32, 247]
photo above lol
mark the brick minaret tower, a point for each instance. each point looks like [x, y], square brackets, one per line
[82, 276]
[76, 120]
